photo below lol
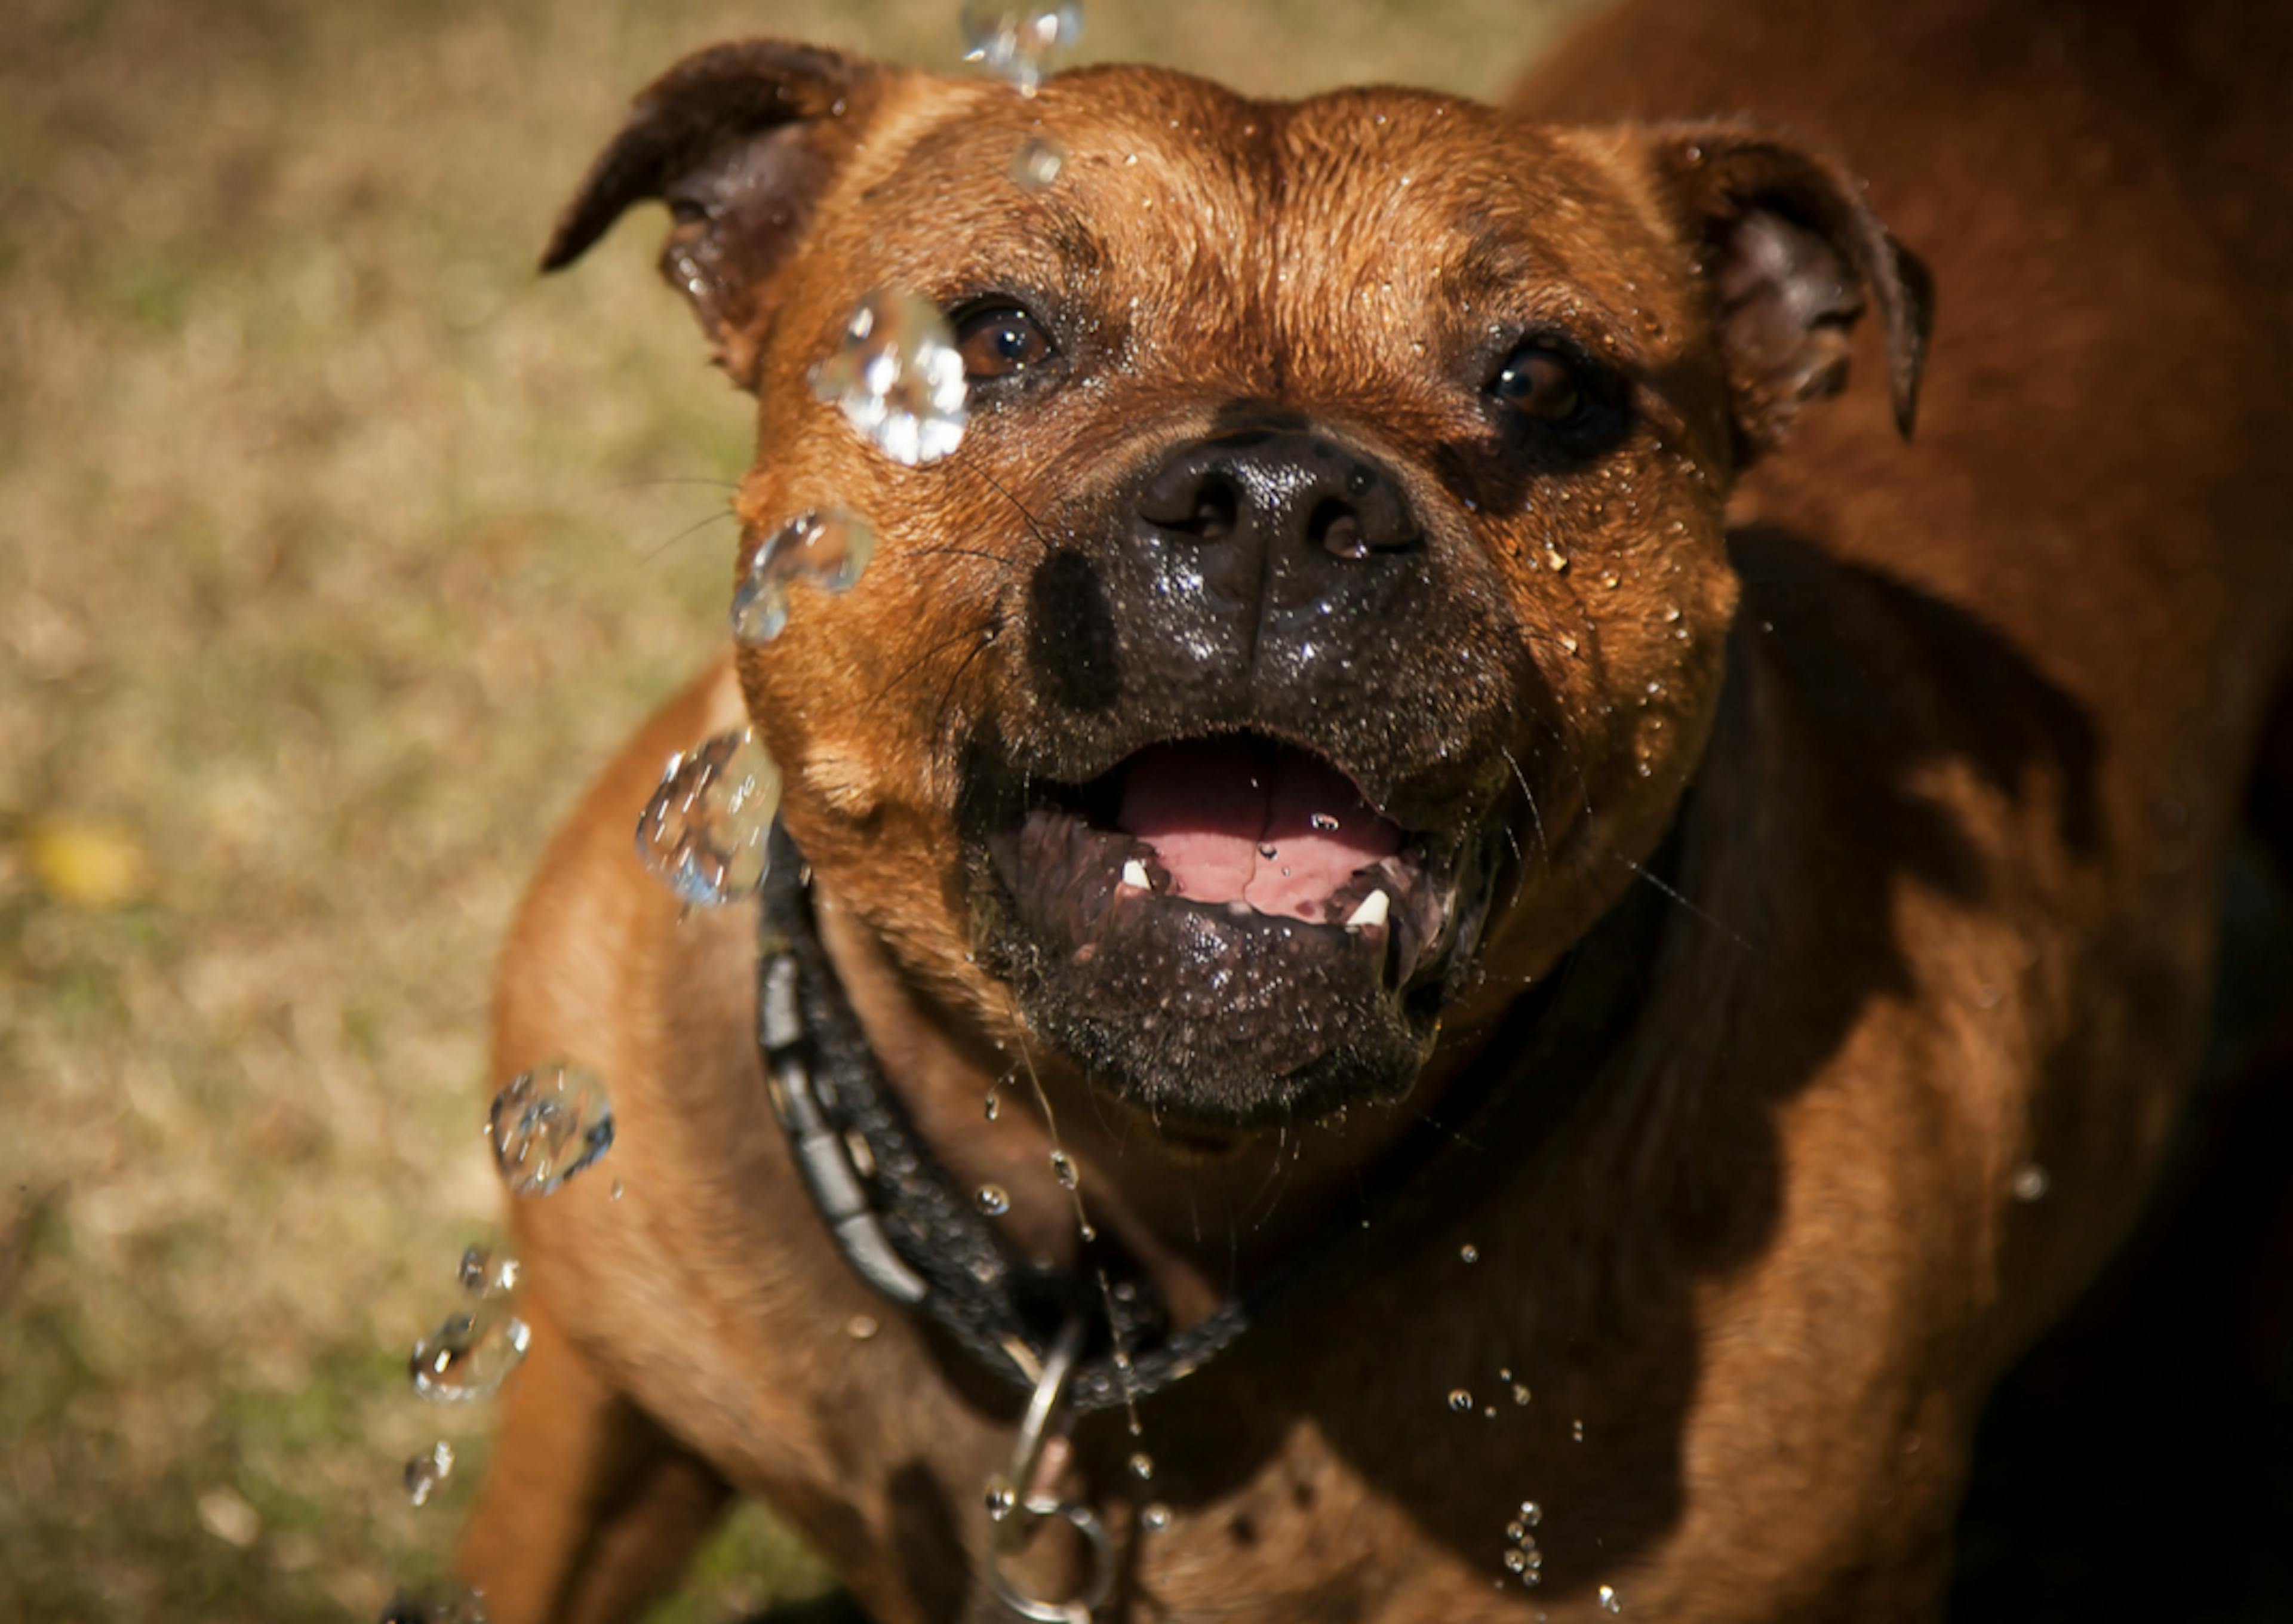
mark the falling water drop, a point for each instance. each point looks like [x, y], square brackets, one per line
[469, 1355]
[704, 831]
[426, 1471]
[1469, 1253]
[1577, 1430]
[1517, 1560]
[1142, 1465]
[1016, 41]
[1038, 163]
[1461, 1400]
[898, 377]
[1531, 1513]
[548, 1125]
[830, 547]
[481, 1275]
[1520, 1392]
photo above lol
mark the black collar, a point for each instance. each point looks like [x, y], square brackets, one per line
[909, 1233]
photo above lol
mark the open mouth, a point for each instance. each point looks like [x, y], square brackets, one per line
[1233, 845]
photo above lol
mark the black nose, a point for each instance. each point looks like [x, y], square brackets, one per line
[1291, 490]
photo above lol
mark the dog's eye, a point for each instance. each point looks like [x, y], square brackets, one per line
[1540, 383]
[1000, 341]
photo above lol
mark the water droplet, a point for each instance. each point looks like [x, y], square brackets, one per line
[1531, 1513]
[1556, 560]
[443, 1602]
[1520, 1393]
[993, 1200]
[1461, 1400]
[704, 830]
[1267, 852]
[1323, 821]
[1610, 1602]
[1671, 614]
[1577, 1430]
[617, 1190]
[481, 1276]
[994, 1105]
[1568, 644]
[1016, 41]
[861, 1327]
[2030, 1183]
[898, 377]
[425, 1472]
[469, 1355]
[1155, 1518]
[1001, 1498]
[829, 546]
[548, 1123]
[1517, 1560]
[1038, 163]
[1063, 1168]
[1469, 1252]
[1611, 580]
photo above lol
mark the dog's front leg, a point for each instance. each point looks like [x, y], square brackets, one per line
[588, 1509]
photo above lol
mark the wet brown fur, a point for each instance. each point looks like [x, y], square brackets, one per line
[1968, 720]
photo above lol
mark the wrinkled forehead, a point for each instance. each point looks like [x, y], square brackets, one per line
[1291, 222]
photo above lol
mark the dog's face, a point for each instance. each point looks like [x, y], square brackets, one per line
[1327, 605]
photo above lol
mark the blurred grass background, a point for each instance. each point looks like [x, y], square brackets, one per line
[337, 551]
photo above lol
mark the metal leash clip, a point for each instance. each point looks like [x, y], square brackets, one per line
[1016, 1509]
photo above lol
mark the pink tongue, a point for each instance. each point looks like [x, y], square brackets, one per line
[1231, 819]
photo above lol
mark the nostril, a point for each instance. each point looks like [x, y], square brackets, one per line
[1217, 508]
[1338, 530]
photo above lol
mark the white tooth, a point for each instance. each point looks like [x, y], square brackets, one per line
[1134, 875]
[1372, 910]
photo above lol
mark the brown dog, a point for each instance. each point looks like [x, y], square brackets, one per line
[1780, 875]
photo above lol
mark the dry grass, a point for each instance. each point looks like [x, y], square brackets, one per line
[336, 552]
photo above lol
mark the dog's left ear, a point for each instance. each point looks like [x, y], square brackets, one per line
[1790, 250]
[740, 140]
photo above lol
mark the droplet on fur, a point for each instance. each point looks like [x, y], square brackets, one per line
[861, 1327]
[704, 831]
[898, 377]
[1063, 1168]
[992, 1199]
[425, 1472]
[548, 1125]
[1038, 163]
[829, 547]
[1001, 1498]
[469, 1355]
[1155, 1518]
[2030, 1183]
[1610, 1602]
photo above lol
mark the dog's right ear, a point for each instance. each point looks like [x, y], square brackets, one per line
[739, 140]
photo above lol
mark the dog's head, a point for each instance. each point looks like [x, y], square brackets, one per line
[1325, 605]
